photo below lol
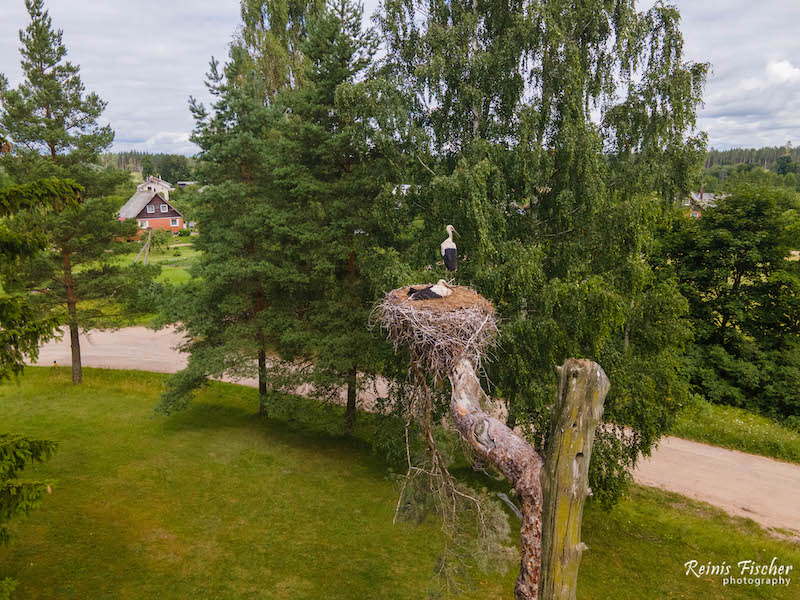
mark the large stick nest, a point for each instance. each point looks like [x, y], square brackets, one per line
[441, 331]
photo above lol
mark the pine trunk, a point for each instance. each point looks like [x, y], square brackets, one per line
[72, 312]
[350, 412]
[262, 383]
[514, 457]
[579, 407]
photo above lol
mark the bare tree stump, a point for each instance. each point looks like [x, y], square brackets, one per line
[448, 337]
[514, 457]
[582, 390]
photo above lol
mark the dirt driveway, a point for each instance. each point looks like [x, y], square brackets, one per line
[762, 489]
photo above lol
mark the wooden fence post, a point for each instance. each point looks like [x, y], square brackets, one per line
[564, 477]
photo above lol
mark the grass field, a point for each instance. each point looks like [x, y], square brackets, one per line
[174, 262]
[739, 429]
[215, 503]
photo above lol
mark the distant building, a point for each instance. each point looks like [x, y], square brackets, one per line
[152, 211]
[154, 184]
[697, 202]
[183, 184]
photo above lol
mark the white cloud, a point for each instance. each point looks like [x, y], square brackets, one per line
[146, 57]
[782, 71]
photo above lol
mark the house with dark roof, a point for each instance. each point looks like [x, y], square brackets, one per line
[697, 202]
[156, 184]
[152, 211]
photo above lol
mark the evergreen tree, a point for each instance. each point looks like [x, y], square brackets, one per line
[77, 276]
[53, 124]
[327, 181]
[18, 498]
[22, 330]
[223, 313]
[49, 112]
[292, 230]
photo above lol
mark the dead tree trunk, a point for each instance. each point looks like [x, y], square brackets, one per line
[514, 457]
[582, 389]
[552, 497]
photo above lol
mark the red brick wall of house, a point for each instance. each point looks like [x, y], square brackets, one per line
[162, 223]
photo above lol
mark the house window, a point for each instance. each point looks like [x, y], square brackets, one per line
[151, 209]
[142, 224]
[173, 222]
[164, 208]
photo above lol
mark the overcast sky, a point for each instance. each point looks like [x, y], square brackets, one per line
[145, 57]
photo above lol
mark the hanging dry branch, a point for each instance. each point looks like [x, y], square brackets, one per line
[449, 338]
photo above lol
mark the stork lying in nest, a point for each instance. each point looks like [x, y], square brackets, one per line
[440, 289]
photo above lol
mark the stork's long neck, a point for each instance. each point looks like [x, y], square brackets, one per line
[449, 235]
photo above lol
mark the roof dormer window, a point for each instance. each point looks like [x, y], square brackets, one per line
[151, 209]
[164, 208]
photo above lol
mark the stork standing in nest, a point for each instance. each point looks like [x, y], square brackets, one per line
[449, 250]
[440, 289]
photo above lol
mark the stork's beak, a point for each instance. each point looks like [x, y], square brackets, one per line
[454, 231]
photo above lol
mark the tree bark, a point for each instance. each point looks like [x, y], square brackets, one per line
[262, 383]
[582, 390]
[72, 312]
[352, 376]
[514, 457]
[350, 411]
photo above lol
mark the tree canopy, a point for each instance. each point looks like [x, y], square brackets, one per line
[744, 298]
[555, 137]
[49, 111]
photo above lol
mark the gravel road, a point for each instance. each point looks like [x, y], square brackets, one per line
[765, 490]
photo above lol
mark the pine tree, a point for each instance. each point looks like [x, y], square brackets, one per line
[296, 242]
[77, 276]
[22, 330]
[328, 180]
[49, 112]
[236, 315]
[53, 125]
[224, 314]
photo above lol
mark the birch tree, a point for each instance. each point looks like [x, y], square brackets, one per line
[559, 134]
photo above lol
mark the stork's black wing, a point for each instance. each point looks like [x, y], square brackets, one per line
[424, 294]
[450, 259]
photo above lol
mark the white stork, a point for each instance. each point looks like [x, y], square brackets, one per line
[449, 250]
[440, 289]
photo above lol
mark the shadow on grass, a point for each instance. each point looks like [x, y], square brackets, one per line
[294, 422]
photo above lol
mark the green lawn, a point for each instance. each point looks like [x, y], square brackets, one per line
[736, 428]
[214, 503]
[174, 262]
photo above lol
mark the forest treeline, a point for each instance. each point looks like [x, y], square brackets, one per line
[765, 157]
[177, 167]
[170, 167]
